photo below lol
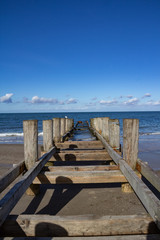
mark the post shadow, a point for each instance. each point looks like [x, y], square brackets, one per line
[60, 198]
[47, 229]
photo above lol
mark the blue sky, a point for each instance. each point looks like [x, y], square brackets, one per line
[79, 55]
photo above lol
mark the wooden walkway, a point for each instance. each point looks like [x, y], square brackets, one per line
[81, 162]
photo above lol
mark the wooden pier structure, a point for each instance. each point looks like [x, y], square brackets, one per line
[65, 161]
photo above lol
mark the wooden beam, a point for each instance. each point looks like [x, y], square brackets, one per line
[81, 168]
[80, 144]
[81, 150]
[11, 175]
[148, 173]
[124, 237]
[85, 156]
[62, 177]
[8, 202]
[149, 200]
[88, 225]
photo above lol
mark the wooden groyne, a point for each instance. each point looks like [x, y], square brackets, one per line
[64, 161]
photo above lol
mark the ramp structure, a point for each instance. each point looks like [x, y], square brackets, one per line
[69, 162]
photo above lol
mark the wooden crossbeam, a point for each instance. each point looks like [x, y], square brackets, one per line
[11, 198]
[88, 225]
[92, 156]
[62, 177]
[80, 144]
[124, 237]
[80, 150]
[81, 168]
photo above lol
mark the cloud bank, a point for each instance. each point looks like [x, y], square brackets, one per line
[7, 98]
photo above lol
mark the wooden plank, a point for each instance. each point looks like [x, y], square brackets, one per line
[11, 175]
[88, 225]
[71, 177]
[149, 174]
[85, 156]
[124, 237]
[80, 144]
[149, 200]
[11, 198]
[81, 168]
[77, 150]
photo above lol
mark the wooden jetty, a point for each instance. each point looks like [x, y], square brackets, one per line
[64, 161]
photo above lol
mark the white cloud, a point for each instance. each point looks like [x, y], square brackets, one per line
[7, 98]
[146, 95]
[110, 102]
[71, 101]
[131, 101]
[152, 103]
[37, 99]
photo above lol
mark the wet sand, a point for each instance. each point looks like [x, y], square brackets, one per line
[99, 199]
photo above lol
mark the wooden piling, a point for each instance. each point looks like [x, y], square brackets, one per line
[100, 125]
[105, 128]
[96, 124]
[67, 127]
[130, 146]
[130, 141]
[62, 120]
[47, 135]
[56, 130]
[30, 129]
[114, 133]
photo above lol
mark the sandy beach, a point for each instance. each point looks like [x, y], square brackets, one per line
[71, 200]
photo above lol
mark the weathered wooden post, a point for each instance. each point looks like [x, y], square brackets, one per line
[114, 133]
[62, 120]
[72, 123]
[67, 128]
[130, 146]
[56, 130]
[92, 122]
[100, 125]
[30, 130]
[130, 141]
[96, 124]
[105, 128]
[47, 135]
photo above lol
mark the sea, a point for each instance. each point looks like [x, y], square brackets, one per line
[11, 124]
[11, 128]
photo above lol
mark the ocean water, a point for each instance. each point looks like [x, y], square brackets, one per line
[11, 124]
